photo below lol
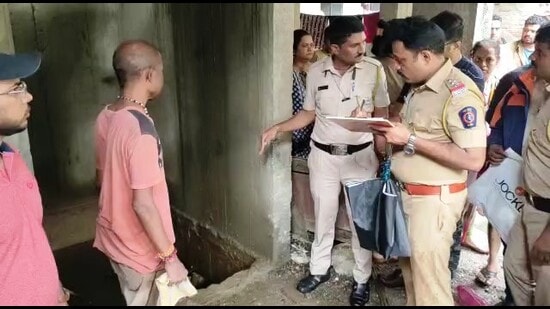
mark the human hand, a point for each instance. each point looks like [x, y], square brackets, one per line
[360, 113]
[540, 254]
[64, 296]
[495, 154]
[175, 270]
[267, 137]
[396, 135]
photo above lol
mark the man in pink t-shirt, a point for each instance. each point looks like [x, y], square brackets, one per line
[28, 273]
[134, 226]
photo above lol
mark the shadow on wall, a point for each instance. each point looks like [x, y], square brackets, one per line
[76, 80]
[67, 92]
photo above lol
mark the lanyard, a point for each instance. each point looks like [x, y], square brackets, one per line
[352, 92]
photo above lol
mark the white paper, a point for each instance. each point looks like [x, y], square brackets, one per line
[170, 295]
[358, 124]
[494, 192]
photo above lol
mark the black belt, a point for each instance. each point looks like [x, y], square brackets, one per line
[341, 149]
[540, 203]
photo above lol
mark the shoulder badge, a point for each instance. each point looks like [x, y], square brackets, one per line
[456, 87]
[468, 117]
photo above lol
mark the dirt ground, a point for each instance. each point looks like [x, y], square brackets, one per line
[263, 285]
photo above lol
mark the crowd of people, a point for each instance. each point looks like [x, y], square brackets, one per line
[454, 114]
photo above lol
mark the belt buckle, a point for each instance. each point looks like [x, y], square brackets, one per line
[339, 149]
[529, 199]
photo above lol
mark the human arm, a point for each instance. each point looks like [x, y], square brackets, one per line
[147, 212]
[495, 150]
[380, 140]
[466, 125]
[145, 171]
[448, 154]
[298, 121]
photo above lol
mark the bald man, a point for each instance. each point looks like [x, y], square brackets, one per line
[134, 226]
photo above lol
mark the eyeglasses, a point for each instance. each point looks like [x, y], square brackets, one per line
[20, 87]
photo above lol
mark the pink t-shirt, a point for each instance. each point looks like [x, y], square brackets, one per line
[133, 160]
[28, 273]
[101, 126]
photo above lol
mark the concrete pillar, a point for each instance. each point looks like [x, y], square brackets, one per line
[395, 10]
[468, 11]
[21, 140]
[235, 80]
[483, 21]
[297, 24]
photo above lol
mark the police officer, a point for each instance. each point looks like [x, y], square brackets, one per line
[527, 258]
[441, 136]
[338, 86]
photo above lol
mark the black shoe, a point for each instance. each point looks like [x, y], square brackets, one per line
[311, 282]
[360, 294]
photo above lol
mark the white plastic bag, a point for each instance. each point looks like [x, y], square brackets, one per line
[494, 192]
[170, 295]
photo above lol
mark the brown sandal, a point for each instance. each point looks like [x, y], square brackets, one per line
[486, 277]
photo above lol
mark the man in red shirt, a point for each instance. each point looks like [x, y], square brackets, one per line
[28, 273]
[134, 226]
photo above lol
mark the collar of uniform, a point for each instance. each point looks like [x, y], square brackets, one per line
[329, 65]
[437, 80]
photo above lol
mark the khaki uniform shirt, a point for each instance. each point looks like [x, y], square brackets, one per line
[325, 90]
[423, 114]
[537, 154]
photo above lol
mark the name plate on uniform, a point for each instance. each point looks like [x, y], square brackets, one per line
[356, 124]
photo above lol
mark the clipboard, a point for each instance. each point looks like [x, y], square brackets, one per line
[359, 124]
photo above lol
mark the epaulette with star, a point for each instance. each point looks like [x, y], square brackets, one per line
[456, 87]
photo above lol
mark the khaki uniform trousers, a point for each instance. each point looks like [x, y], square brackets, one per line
[527, 228]
[431, 221]
[327, 175]
[138, 289]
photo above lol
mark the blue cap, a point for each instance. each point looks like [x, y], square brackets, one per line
[14, 66]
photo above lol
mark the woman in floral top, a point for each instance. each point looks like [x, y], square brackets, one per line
[303, 49]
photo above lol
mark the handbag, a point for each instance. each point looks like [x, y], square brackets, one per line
[378, 215]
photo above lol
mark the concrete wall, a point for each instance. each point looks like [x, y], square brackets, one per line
[395, 10]
[21, 140]
[76, 81]
[228, 76]
[514, 16]
[234, 80]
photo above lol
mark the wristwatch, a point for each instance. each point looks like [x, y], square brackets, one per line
[409, 147]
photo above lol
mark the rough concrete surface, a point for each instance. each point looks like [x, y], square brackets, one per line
[264, 285]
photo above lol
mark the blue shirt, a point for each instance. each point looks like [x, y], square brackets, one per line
[471, 70]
